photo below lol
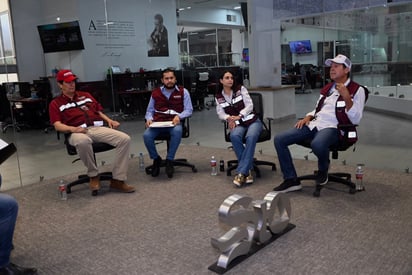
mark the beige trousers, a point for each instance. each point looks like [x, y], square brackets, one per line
[120, 140]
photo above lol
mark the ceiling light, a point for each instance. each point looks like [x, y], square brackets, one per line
[237, 8]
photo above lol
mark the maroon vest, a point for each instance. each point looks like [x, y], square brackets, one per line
[166, 109]
[235, 106]
[340, 112]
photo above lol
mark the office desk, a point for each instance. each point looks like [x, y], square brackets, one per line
[134, 102]
[28, 112]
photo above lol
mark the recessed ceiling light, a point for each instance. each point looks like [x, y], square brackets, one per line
[237, 8]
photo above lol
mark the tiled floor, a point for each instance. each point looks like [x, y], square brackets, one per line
[385, 142]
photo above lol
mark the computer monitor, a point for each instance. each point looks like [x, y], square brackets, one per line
[22, 88]
[17, 89]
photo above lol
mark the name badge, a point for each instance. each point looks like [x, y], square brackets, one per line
[250, 116]
[340, 104]
[352, 134]
[98, 123]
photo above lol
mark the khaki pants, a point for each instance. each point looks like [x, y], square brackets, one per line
[120, 140]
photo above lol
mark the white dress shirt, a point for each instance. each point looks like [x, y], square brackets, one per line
[326, 117]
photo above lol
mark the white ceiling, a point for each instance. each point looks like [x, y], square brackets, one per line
[225, 4]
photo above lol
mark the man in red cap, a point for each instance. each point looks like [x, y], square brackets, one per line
[79, 114]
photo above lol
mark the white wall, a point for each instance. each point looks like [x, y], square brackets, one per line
[128, 50]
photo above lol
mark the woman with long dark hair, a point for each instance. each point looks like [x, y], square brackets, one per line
[234, 105]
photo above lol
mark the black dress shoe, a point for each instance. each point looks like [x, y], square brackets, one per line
[169, 168]
[156, 166]
[12, 269]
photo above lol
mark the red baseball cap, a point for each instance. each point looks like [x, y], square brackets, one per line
[66, 76]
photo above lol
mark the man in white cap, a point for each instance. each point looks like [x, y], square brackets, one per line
[79, 114]
[340, 102]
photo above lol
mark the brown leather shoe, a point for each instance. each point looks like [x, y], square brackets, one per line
[94, 184]
[121, 186]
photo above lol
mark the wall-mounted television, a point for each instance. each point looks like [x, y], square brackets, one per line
[300, 46]
[61, 37]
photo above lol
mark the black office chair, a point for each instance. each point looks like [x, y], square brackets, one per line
[343, 178]
[97, 148]
[265, 135]
[177, 162]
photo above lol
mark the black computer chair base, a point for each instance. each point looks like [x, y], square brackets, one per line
[343, 178]
[265, 135]
[86, 179]
[338, 177]
[232, 165]
[97, 148]
[176, 163]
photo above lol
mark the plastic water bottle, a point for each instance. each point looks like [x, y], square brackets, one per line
[359, 178]
[141, 162]
[213, 164]
[62, 190]
[246, 82]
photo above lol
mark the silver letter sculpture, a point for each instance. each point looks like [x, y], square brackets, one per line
[252, 222]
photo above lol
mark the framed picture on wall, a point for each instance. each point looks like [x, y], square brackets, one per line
[158, 41]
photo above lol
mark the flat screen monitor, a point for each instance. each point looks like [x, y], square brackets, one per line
[22, 88]
[300, 46]
[61, 37]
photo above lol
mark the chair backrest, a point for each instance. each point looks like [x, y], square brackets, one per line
[266, 133]
[257, 104]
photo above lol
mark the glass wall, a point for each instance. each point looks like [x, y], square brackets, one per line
[376, 37]
[127, 43]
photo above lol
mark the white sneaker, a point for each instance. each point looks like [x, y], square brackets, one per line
[249, 178]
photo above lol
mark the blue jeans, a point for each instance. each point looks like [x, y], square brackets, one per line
[175, 137]
[245, 152]
[8, 216]
[321, 140]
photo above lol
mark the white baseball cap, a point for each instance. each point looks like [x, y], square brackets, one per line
[339, 59]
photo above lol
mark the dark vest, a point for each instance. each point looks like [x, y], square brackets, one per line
[234, 107]
[166, 109]
[350, 134]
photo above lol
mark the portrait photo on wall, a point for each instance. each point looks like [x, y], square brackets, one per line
[158, 43]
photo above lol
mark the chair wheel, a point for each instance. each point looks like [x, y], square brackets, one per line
[316, 193]
[68, 190]
[352, 191]
[194, 170]
[95, 192]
